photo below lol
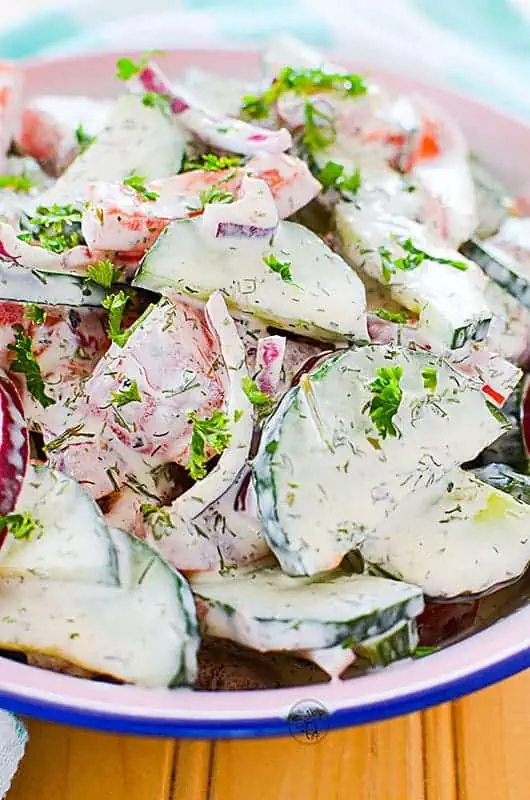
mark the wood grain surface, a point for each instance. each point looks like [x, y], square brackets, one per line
[477, 748]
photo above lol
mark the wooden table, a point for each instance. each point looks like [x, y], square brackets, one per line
[477, 748]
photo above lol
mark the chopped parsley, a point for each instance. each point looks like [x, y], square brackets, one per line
[17, 183]
[319, 129]
[20, 526]
[115, 304]
[26, 364]
[385, 403]
[213, 432]
[103, 273]
[137, 182]
[282, 268]
[158, 519]
[126, 68]
[128, 394]
[421, 652]
[253, 107]
[35, 313]
[84, 140]
[256, 397]
[271, 447]
[210, 162]
[156, 100]
[303, 82]
[400, 317]
[412, 259]
[214, 195]
[56, 228]
[332, 176]
[430, 378]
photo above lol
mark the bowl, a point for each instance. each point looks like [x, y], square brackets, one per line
[488, 656]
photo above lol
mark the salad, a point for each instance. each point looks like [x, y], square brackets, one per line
[262, 389]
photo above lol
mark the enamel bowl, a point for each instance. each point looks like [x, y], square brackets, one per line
[495, 653]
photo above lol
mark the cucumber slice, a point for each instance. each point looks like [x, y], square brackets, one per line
[144, 571]
[137, 138]
[30, 286]
[323, 475]
[73, 543]
[456, 538]
[399, 642]
[326, 299]
[450, 302]
[268, 610]
[135, 637]
[499, 268]
[144, 632]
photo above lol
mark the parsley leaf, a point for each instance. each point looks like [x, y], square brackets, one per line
[25, 236]
[127, 394]
[158, 519]
[317, 135]
[329, 174]
[213, 431]
[271, 447]
[17, 183]
[156, 100]
[104, 273]
[303, 82]
[84, 140]
[417, 256]
[26, 364]
[387, 397]
[412, 259]
[35, 313]
[115, 305]
[20, 526]
[57, 228]
[210, 162]
[137, 182]
[332, 176]
[421, 652]
[283, 268]
[126, 68]
[430, 378]
[253, 107]
[214, 195]
[401, 317]
[256, 397]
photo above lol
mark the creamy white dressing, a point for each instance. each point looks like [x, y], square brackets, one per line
[71, 543]
[90, 626]
[137, 139]
[460, 536]
[330, 477]
[447, 299]
[325, 299]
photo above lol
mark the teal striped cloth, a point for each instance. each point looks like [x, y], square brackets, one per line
[480, 46]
